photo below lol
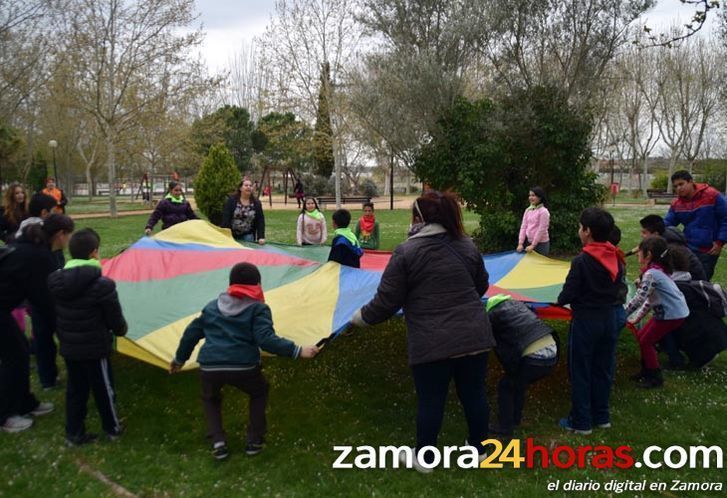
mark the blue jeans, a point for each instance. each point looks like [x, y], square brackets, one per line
[432, 385]
[591, 365]
[248, 237]
[45, 349]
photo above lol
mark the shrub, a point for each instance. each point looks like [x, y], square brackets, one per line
[217, 178]
[368, 188]
[660, 181]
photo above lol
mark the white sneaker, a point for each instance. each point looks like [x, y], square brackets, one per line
[42, 409]
[16, 423]
[414, 461]
[481, 456]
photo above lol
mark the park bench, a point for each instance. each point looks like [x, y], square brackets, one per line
[659, 195]
[345, 199]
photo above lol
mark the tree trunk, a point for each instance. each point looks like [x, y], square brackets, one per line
[644, 185]
[111, 163]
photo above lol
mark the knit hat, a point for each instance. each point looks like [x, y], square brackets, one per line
[245, 274]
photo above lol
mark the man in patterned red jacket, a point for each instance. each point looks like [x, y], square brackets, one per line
[703, 212]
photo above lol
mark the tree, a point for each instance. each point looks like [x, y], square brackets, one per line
[128, 56]
[284, 141]
[217, 176]
[492, 152]
[230, 125]
[323, 136]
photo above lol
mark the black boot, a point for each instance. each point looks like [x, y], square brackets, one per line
[652, 379]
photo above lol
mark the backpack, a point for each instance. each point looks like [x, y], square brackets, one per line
[713, 294]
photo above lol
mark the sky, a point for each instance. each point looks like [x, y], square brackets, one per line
[230, 24]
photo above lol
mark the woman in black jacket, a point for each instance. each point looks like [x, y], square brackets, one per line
[243, 214]
[437, 276]
[14, 211]
[24, 268]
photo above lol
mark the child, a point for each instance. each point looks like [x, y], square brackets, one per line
[653, 224]
[528, 351]
[535, 223]
[88, 312]
[173, 209]
[235, 326]
[345, 248]
[311, 229]
[595, 289]
[658, 292]
[367, 228]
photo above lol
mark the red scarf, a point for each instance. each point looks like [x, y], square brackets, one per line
[252, 291]
[367, 222]
[606, 254]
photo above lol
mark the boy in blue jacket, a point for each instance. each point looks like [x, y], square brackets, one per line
[345, 248]
[235, 326]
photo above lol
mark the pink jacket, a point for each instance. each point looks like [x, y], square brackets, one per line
[535, 226]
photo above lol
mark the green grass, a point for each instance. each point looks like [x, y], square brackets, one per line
[84, 205]
[357, 392]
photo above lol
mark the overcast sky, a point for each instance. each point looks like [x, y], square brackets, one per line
[230, 24]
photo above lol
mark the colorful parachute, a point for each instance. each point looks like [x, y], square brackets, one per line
[164, 281]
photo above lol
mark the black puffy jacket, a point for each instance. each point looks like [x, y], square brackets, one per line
[88, 312]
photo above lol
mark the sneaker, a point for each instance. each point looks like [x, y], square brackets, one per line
[606, 425]
[499, 431]
[219, 450]
[415, 462]
[254, 448]
[81, 440]
[481, 456]
[53, 387]
[43, 408]
[16, 423]
[114, 436]
[565, 425]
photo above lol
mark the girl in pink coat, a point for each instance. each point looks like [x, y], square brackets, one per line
[534, 227]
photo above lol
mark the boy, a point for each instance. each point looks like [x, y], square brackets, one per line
[367, 228]
[653, 224]
[596, 291]
[235, 326]
[528, 351]
[88, 313]
[345, 248]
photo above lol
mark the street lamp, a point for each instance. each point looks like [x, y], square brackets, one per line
[53, 144]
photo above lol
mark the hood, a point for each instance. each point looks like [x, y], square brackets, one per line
[71, 283]
[429, 230]
[606, 255]
[674, 235]
[681, 276]
[233, 306]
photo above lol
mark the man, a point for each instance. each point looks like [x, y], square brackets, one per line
[52, 190]
[703, 212]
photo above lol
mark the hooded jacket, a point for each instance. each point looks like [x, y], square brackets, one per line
[234, 330]
[171, 213]
[88, 312]
[595, 279]
[704, 217]
[438, 282]
[674, 236]
[345, 253]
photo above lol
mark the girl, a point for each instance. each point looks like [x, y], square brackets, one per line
[14, 211]
[658, 292]
[311, 228]
[367, 228]
[438, 277]
[243, 214]
[534, 227]
[173, 209]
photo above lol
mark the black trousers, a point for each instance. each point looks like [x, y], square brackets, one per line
[45, 349]
[15, 395]
[512, 388]
[253, 383]
[432, 385]
[85, 376]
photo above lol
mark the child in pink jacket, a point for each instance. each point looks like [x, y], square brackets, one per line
[534, 227]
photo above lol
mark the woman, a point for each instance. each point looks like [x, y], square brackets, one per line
[173, 209]
[311, 228]
[535, 224]
[243, 214]
[437, 276]
[14, 211]
[27, 262]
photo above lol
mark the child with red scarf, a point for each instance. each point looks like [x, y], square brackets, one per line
[367, 228]
[235, 327]
[657, 292]
[596, 291]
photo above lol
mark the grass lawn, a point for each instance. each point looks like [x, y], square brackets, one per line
[357, 392]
